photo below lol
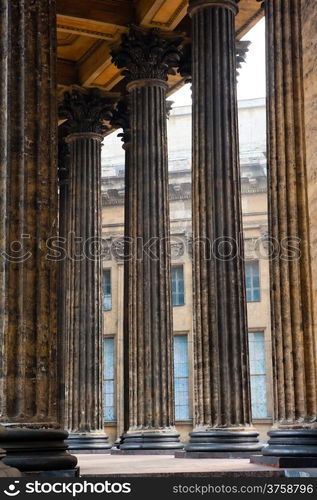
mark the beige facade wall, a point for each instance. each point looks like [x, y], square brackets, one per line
[254, 200]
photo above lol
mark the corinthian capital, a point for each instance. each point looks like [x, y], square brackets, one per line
[147, 54]
[86, 110]
[121, 119]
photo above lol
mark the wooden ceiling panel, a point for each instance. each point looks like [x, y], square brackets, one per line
[115, 12]
[165, 14]
[109, 77]
[92, 29]
[81, 23]
[170, 14]
[250, 12]
[93, 65]
[73, 47]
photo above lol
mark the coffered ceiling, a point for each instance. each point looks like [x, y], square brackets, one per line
[88, 29]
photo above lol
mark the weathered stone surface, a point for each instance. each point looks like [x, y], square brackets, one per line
[294, 343]
[28, 213]
[309, 22]
[80, 203]
[149, 399]
[291, 297]
[221, 384]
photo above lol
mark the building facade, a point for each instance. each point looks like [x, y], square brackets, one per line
[101, 66]
[252, 119]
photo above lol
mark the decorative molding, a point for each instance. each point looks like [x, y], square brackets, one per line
[250, 22]
[89, 32]
[68, 40]
[177, 249]
[185, 63]
[147, 54]
[121, 119]
[242, 48]
[169, 105]
[86, 110]
[176, 13]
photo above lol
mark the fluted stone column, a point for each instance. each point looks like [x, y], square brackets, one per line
[294, 343]
[28, 331]
[85, 112]
[222, 413]
[5, 470]
[149, 395]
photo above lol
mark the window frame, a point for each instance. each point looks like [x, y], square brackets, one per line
[104, 271]
[114, 421]
[268, 417]
[175, 266]
[253, 261]
[189, 419]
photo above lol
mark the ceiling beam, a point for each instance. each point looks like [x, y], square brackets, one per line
[115, 12]
[92, 66]
[164, 14]
[67, 72]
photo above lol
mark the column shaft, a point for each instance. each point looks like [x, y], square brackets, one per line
[221, 382]
[148, 333]
[28, 341]
[294, 353]
[84, 320]
[80, 200]
[149, 299]
[28, 178]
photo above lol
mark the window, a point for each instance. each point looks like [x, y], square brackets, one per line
[107, 301]
[258, 375]
[178, 298]
[108, 380]
[181, 380]
[252, 277]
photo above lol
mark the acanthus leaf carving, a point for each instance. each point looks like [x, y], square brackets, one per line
[147, 54]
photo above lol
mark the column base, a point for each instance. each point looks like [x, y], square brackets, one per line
[36, 450]
[289, 448]
[292, 443]
[5, 470]
[150, 441]
[223, 444]
[80, 443]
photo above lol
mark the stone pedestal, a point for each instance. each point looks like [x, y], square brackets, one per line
[294, 349]
[222, 413]
[85, 112]
[37, 450]
[148, 342]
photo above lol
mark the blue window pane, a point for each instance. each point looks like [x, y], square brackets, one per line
[181, 380]
[252, 281]
[107, 299]
[258, 396]
[109, 380]
[182, 413]
[109, 414]
[178, 297]
[258, 374]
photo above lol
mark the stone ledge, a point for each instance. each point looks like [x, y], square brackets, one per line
[284, 462]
